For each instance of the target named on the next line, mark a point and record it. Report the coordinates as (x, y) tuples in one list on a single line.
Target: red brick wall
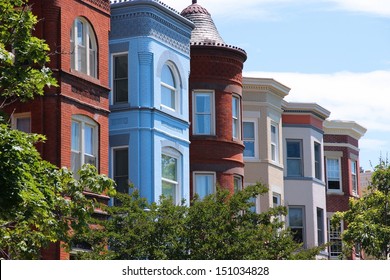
[(218, 69)]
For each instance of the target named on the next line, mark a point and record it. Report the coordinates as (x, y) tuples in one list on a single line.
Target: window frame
[(18, 116), (90, 40), (85, 121), (210, 93), (114, 79), (320, 226), (237, 187), (113, 164), (275, 157), (254, 140), (204, 173), (317, 160), (176, 88), (335, 241), (303, 227), (301, 164), (175, 154), (354, 177), (339, 189), (236, 117)]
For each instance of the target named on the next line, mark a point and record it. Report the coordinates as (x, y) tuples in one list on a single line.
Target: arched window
[(83, 47), (169, 87)]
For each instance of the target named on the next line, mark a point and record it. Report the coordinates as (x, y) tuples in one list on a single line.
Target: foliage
[(221, 226), (368, 218), (40, 203), (23, 57)]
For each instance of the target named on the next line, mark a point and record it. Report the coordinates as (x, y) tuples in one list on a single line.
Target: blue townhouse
[(149, 122)]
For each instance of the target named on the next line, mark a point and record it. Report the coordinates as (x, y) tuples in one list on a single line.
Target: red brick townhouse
[(341, 151), (215, 91), (73, 116)]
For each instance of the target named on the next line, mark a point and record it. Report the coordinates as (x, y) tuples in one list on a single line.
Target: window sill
[(335, 192)]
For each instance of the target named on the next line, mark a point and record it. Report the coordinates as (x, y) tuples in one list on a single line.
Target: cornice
[(339, 127), (305, 108), (265, 85)]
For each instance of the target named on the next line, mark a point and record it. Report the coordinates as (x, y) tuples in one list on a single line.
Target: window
[(333, 173), (274, 143), (237, 184), (84, 142), (121, 169), (296, 223), (294, 158), (22, 122), (236, 118), (249, 139), (83, 48), (320, 226), (276, 199), (203, 113), (204, 184), (120, 78), (170, 164), (169, 92), (354, 177), (317, 160), (336, 246)]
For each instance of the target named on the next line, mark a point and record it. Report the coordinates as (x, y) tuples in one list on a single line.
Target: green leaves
[(221, 226), (23, 57), (40, 203)]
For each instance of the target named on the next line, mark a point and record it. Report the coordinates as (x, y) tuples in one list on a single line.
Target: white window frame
[(204, 173), (237, 179), (173, 153), (84, 121), (274, 144), (340, 175), (211, 93), (17, 116), (300, 141), (254, 140), (335, 236), (176, 89), (354, 177), (113, 78), (89, 38), (236, 119), (278, 198)]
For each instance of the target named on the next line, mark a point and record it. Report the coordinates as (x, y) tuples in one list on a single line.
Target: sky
[(335, 53)]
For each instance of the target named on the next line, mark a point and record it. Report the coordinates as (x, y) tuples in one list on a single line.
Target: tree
[(23, 57), (221, 226), (40, 203), (368, 219)]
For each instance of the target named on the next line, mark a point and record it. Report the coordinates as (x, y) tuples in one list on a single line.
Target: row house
[(149, 121), (341, 152), (74, 115)]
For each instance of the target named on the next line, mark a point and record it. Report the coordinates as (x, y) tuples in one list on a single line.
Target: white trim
[(334, 191), (255, 122), (173, 153), (277, 144), (237, 118), (344, 145), (177, 89), (212, 111)]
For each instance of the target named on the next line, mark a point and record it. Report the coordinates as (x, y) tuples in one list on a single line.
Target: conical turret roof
[(205, 31)]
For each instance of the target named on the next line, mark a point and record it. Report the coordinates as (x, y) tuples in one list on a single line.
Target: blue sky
[(332, 52)]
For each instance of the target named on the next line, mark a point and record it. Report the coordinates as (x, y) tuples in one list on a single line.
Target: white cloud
[(374, 144), (361, 97), (378, 7)]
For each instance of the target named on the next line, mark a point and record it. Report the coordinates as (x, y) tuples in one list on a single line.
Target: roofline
[(156, 3), (342, 127), (261, 84), (303, 107)]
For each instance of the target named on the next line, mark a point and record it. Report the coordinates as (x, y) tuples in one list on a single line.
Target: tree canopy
[(221, 226), (23, 57), (368, 219)]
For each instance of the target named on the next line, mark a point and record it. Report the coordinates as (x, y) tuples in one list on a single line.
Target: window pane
[(169, 189), (75, 136), (235, 109), (294, 149), (294, 167), (23, 124), (204, 185), (333, 169), (121, 170), (237, 184), (249, 130), (120, 90), (92, 63), (120, 66), (168, 97), (88, 140), (295, 217), (203, 103), (75, 162), (273, 134), (167, 76), (169, 167), (80, 33), (249, 149), (203, 124)]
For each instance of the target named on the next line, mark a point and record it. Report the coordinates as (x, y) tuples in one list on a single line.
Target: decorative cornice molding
[(305, 108), (146, 23), (264, 84), (349, 128)]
